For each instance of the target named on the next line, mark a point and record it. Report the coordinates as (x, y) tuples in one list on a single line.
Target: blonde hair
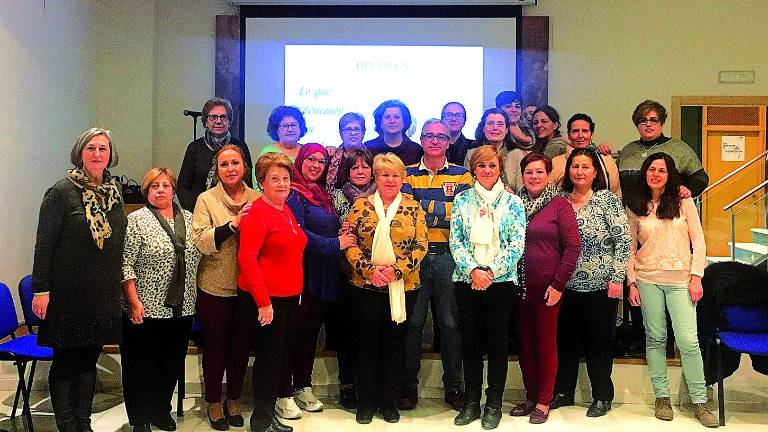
[(270, 160), (388, 161), (484, 153), (76, 155), (152, 175)]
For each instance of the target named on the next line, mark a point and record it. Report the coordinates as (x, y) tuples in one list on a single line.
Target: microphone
[(192, 113)]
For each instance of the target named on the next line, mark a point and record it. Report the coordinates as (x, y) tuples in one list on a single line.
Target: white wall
[(606, 56), (45, 65)]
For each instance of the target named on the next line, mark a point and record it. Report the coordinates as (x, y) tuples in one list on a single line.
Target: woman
[(270, 281), (218, 214), (313, 209), (393, 119), (286, 126), (588, 313), (664, 274), (552, 247), (352, 131), (493, 130), (522, 136), (198, 170), (359, 184), (546, 126), (487, 238), (649, 118), (76, 275), (159, 291), (392, 241)]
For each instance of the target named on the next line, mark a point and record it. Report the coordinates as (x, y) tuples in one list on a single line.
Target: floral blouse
[(409, 238), (148, 257), (605, 239), (511, 236)]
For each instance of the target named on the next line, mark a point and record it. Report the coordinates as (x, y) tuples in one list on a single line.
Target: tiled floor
[(431, 416)]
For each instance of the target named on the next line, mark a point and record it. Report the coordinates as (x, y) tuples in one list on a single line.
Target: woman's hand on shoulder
[(684, 192), (347, 240), (239, 217), (40, 305)]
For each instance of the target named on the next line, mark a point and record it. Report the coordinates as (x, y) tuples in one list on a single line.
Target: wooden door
[(731, 121)]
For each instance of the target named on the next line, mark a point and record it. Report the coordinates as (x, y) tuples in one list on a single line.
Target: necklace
[(287, 219), (647, 151), (281, 212)]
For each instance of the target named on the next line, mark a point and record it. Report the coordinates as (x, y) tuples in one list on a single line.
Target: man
[(434, 182), (454, 117), (580, 129)]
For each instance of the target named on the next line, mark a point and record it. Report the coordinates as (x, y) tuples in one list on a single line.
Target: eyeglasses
[(287, 126), (214, 117), (440, 138), (314, 160), (457, 116), (498, 124), (351, 130), (652, 120)]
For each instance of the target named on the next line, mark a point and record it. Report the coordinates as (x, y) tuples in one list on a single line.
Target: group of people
[(518, 225)]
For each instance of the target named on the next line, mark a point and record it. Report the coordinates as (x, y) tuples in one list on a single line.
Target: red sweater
[(271, 248)]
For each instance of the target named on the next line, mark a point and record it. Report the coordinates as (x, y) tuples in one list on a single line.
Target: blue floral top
[(511, 236), (605, 239)]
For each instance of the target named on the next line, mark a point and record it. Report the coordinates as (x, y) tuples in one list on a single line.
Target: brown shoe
[(523, 409), (538, 416), (705, 415), (664, 409)]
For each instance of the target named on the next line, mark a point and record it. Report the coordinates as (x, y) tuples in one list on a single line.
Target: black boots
[(62, 405), (470, 413)]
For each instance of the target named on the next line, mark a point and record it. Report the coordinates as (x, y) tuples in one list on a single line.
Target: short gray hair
[(431, 121), (76, 155)]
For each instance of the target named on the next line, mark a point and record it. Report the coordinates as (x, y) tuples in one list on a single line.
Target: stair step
[(751, 253), (760, 236), (717, 259)]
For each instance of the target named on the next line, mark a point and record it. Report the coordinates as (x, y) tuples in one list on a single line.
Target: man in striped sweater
[(434, 182)]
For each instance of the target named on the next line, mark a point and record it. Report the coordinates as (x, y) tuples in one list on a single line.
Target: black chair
[(20, 350)]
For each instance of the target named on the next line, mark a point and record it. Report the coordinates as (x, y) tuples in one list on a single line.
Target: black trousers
[(269, 345), (72, 383), (483, 321), (380, 348), (587, 321), (152, 355), (339, 329)]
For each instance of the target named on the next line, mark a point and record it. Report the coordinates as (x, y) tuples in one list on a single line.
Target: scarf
[(174, 298), (383, 253), (532, 206), (352, 192), (315, 191), (97, 200), (214, 144), (531, 146), (332, 179), (484, 234), (234, 207)]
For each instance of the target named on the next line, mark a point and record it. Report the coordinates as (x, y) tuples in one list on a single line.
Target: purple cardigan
[(552, 246)]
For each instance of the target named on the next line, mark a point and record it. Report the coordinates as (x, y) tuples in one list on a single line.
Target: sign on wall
[(732, 148)]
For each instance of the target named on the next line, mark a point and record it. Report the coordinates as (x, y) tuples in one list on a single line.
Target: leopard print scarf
[(97, 200)]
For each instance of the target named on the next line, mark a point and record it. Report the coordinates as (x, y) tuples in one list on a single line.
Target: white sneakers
[(290, 408), (287, 408), (307, 400)]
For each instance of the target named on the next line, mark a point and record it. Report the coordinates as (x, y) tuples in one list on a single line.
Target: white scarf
[(383, 253), (484, 235)]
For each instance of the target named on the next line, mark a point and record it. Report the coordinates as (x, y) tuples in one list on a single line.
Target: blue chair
[(743, 329), (20, 350)]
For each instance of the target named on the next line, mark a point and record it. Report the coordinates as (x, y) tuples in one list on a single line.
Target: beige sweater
[(217, 273), (665, 256)]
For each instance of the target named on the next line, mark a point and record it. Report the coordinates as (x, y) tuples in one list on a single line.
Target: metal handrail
[(746, 194), (733, 173)]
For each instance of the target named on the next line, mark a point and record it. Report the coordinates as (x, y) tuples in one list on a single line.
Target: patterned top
[(435, 192), (148, 257), (409, 238), (341, 204), (511, 235), (604, 243)]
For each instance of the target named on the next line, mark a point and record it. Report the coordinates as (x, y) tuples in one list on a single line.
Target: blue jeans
[(435, 274), (654, 299)]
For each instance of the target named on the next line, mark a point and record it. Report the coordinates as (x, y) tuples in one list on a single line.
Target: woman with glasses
[(286, 126), (649, 117), (312, 206), (352, 131), (393, 119), (198, 170)]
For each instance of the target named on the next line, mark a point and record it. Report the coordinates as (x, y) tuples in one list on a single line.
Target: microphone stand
[(194, 115)]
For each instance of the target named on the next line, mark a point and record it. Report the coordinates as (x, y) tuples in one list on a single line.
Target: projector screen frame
[(371, 11)]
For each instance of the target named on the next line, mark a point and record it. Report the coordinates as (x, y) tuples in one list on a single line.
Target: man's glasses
[(450, 115), (440, 138)]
